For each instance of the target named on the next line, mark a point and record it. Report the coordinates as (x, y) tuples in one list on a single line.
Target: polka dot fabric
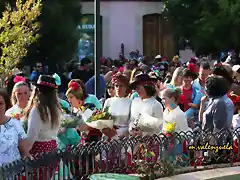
[(41, 147), (45, 172)]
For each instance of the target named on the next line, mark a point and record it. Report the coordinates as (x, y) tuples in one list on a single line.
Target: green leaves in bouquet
[(106, 110), (108, 115), (71, 121), (65, 109), (101, 115)]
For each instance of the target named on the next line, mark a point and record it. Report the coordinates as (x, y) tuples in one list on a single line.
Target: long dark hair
[(45, 99)]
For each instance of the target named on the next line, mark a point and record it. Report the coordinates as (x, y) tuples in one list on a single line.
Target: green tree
[(59, 33), (18, 30), (210, 26)]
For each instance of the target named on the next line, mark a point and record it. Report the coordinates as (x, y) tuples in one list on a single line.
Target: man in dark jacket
[(83, 71)]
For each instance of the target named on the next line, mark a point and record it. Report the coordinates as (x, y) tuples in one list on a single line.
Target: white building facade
[(122, 22)]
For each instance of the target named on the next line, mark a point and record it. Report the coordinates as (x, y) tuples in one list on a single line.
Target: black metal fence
[(157, 155)]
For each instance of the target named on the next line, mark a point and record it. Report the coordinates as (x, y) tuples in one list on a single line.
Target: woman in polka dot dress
[(43, 120)]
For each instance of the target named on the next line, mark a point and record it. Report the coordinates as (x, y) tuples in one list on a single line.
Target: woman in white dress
[(146, 111), (19, 98), (119, 106)]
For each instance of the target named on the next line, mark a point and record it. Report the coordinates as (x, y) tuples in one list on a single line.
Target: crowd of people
[(157, 93)]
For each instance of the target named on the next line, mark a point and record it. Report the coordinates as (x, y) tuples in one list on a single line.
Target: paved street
[(215, 174)]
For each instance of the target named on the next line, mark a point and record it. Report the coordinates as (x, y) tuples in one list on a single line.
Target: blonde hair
[(77, 91), (176, 58), (134, 73), (47, 103), (178, 72), (15, 87)]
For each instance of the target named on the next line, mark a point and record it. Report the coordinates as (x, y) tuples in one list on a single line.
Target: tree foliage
[(18, 30), (59, 33), (209, 25)]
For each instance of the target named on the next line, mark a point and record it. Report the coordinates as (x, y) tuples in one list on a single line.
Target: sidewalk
[(219, 174)]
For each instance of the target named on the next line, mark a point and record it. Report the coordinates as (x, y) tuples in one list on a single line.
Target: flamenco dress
[(44, 138), (152, 108), (120, 109)]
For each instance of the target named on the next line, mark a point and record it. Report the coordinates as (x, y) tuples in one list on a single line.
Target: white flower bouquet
[(147, 123), (101, 119)]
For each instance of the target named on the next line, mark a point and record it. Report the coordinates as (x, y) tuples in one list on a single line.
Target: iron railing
[(122, 156)]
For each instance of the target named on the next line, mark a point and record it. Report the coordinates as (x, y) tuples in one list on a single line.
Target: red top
[(185, 98)]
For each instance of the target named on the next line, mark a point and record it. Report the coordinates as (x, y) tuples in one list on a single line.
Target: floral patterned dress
[(11, 132)]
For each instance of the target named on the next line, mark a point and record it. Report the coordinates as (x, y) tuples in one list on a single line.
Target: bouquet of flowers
[(101, 119), (147, 123), (70, 121), (16, 115), (170, 127)]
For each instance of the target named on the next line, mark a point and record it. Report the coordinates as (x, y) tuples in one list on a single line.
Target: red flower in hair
[(19, 79), (74, 86), (191, 67)]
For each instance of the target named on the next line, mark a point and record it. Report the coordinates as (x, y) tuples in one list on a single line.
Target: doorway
[(151, 35), (157, 37)]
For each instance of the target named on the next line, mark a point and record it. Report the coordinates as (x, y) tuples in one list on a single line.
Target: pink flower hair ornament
[(19, 79)]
